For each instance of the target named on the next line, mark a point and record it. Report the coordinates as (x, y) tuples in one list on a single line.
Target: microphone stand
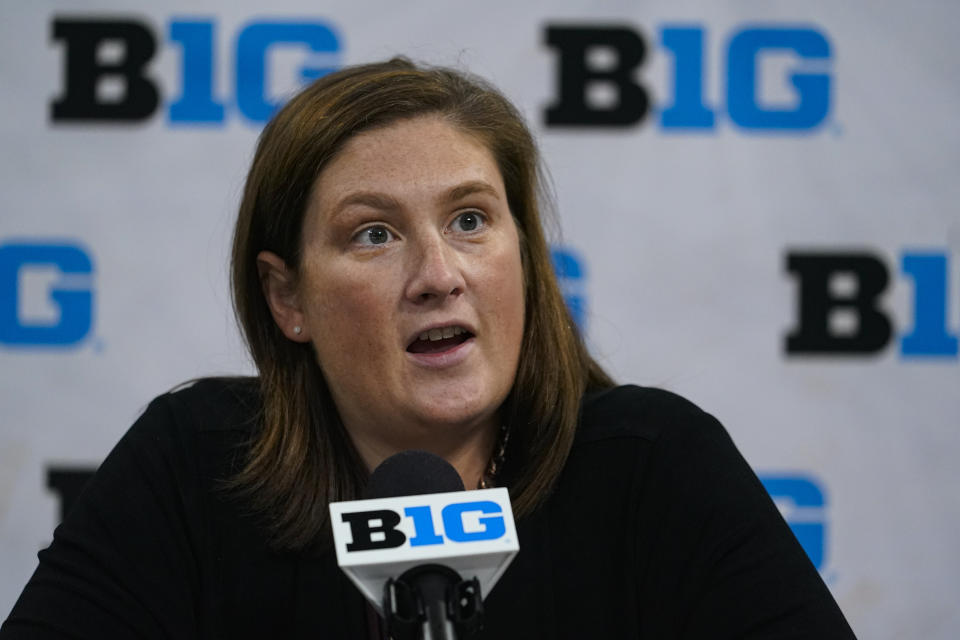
[(432, 602)]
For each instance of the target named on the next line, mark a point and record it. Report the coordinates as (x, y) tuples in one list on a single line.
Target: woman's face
[(411, 285)]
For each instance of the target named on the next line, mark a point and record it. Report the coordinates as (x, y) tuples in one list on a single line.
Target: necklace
[(488, 479)]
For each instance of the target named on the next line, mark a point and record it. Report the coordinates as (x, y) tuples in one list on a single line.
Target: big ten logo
[(46, 294), (839, 304), (68, 482), (800, 499), (462, 522), (106, 74), (776, 78), (571, 273)]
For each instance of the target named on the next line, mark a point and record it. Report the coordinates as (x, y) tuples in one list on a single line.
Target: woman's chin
[(454, 418)]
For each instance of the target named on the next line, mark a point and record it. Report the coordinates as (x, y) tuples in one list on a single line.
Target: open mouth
[(439, 340)]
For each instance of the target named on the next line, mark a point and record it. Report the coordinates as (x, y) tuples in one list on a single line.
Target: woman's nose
[(436, 272)]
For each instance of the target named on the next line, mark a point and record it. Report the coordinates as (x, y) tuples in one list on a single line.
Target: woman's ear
[(280, 289)]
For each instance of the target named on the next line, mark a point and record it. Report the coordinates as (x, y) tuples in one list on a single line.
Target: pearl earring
[(297, 330)]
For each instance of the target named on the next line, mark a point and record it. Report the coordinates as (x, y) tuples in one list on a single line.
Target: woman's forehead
[(418, 158)]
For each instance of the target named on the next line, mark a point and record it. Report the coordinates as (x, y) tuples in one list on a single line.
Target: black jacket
[(657, 529)]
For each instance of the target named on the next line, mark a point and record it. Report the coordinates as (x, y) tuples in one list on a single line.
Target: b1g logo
[(839, 304), (801, 501), (106, 79), (46, 294), (570, 269), (608, 58), (378, 529)]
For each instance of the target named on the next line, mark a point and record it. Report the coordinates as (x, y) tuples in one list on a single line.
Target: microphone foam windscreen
[(411, 473)]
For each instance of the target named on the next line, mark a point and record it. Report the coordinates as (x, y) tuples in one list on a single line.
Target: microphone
[(409, 473), (409, 544)]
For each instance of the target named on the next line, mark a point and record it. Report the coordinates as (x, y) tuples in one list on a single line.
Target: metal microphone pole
[(432, 602)]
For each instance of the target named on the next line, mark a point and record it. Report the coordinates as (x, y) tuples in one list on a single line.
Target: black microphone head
[(411, 473)]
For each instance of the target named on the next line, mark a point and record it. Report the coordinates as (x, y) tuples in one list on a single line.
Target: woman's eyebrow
[(371, 199), (385, 202), (469, 188)]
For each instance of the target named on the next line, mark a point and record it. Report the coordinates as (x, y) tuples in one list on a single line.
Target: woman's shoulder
[(210, 404), (202, 415), (647, 413), (191, 422)]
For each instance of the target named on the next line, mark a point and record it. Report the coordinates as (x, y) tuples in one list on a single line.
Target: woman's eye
[(468, 221), (374, 235)]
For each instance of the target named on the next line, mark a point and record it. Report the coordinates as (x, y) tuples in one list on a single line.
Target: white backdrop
[(682, 235)]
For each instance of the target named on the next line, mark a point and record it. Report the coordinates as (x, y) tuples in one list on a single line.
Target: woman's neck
[(469, 453)]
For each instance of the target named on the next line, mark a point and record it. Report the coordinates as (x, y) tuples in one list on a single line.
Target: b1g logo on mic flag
[(472, 532), (46, 295)]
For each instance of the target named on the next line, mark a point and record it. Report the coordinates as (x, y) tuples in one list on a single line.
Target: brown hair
[(301, 457)]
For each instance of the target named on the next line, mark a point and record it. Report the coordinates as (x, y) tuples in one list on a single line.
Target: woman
[(395, 289)]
